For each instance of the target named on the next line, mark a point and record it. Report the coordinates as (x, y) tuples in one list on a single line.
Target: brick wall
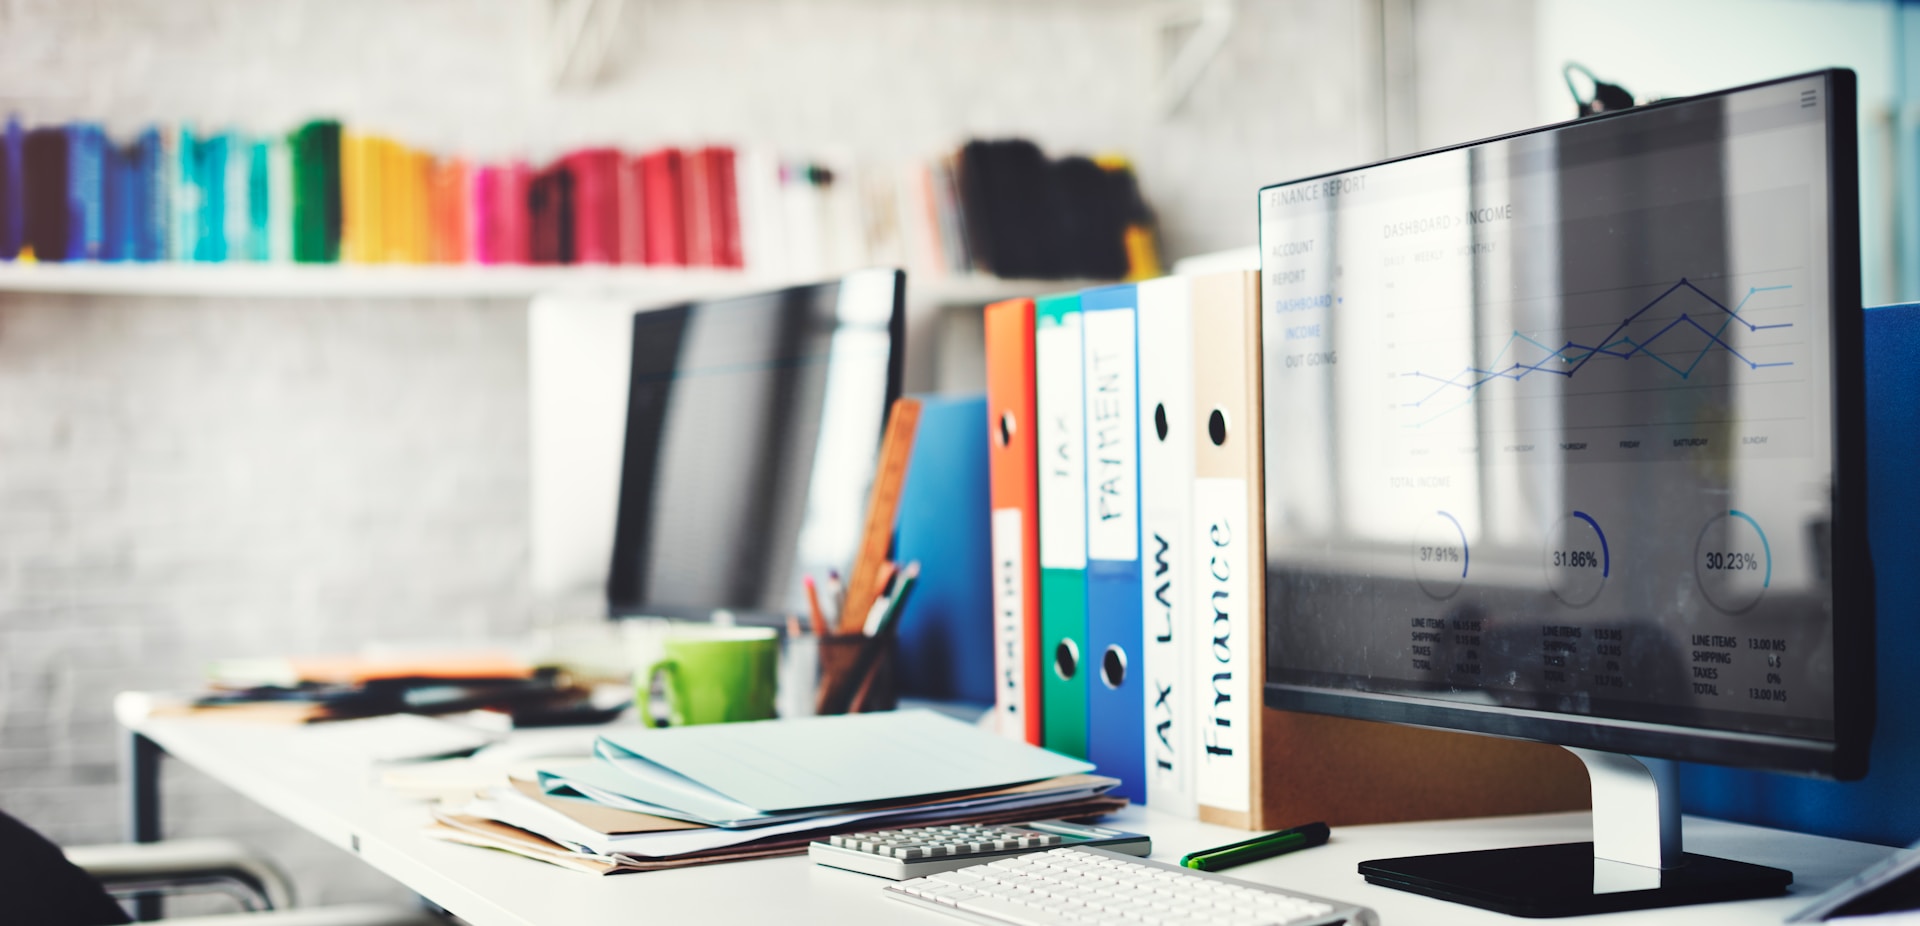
[(188, 479)]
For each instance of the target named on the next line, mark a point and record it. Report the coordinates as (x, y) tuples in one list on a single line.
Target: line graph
[(1568, 359)]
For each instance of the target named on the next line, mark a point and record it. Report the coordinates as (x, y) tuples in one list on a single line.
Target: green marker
[(1257, 848)]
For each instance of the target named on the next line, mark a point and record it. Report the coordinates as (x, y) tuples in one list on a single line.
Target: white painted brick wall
[(187, 479), (183, 480)]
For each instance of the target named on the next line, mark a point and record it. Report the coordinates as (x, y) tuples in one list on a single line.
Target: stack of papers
[(662, 798)]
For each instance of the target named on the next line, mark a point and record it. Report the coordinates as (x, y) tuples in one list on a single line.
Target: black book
[(550, 210), (45, 187)]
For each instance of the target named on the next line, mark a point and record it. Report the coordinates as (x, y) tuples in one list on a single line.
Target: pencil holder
[(841, 678)]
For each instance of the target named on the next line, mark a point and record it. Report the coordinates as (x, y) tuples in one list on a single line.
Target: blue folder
[(946, 637)]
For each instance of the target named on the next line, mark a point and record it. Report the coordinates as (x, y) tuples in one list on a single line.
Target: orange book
[(376, 200), (419, 219), (456, 179), (1013, 478)]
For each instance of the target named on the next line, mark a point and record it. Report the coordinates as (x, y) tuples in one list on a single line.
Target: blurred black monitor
[(752, 427)]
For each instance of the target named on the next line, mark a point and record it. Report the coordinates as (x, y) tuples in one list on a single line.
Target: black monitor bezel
[(627, 537), (1845, 757)]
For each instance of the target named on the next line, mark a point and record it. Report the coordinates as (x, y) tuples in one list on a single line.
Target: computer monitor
[(1564, 441), (752, 428)]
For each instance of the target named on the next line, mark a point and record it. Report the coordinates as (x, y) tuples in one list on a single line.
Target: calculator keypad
[(944, 841)]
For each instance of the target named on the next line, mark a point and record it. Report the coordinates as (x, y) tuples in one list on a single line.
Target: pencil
[(819, 620)]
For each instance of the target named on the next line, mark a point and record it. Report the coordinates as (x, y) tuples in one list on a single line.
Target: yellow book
[(421, 179), (353, 181)]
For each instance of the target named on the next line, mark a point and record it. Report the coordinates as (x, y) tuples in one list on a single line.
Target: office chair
[(82, 886), (128, 870)]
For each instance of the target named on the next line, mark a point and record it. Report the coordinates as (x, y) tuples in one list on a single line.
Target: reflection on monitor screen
[(1562, 435), (752, 424)]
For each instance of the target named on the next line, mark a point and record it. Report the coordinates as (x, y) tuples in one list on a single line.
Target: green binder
[(1063, 524)]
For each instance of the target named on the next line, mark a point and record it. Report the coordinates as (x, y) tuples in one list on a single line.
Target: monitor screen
[(1563, 435), (752, 424)]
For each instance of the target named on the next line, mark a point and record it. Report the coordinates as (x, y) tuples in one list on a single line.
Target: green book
[(316, 192), (1063, 524)]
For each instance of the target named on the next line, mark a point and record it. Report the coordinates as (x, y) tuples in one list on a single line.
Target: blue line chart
[(1570, 358)]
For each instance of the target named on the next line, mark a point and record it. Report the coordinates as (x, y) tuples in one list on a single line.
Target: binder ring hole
[(1113, 667), (1066, 660), (1160, 420), (1217, 427), (1005, 430)]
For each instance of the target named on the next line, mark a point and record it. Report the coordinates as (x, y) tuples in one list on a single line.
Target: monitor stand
[(1635, 861)]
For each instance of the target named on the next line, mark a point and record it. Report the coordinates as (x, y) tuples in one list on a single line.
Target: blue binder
[(1116, 711), (1880, 807)]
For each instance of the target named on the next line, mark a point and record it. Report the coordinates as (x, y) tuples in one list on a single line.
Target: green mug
[(715, 675)]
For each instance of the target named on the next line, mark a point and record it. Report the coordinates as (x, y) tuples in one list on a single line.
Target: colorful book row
[(323, 193), (1126, 533)]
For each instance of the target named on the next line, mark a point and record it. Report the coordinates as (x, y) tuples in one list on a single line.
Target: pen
[(867, 669), (1257, 848), (887, 605)]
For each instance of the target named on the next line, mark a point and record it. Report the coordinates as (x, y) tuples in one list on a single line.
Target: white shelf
[(499, 282)]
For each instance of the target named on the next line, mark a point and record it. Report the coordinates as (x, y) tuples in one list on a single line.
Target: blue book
[(117, 202), (183, 196), (1116, 710), (86, 191), (946, 648), (210, 184), (259, 245), (13, 190), (146, 166)]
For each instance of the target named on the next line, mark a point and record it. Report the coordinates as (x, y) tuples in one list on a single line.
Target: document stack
[(653, 799)]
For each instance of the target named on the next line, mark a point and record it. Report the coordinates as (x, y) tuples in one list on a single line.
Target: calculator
[(925, 850)]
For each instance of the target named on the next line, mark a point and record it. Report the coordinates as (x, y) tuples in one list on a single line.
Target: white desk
[(490, 888)]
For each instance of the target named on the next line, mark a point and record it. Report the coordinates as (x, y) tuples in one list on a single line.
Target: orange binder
[(1013, 477)]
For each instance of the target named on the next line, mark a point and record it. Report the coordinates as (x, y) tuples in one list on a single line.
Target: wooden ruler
[(883, 509)]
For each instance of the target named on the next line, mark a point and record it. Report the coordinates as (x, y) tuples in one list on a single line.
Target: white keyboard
[(1088, 886)]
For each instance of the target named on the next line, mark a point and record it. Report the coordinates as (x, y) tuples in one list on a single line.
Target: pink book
[(630, 212), (512, 224), (480, 211), (665, 239), (596, 229), (696, 205)]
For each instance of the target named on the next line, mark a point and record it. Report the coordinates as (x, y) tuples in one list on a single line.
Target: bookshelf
[(473, 282)]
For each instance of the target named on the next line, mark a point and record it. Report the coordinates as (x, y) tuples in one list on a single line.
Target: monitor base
[(1559, 880)]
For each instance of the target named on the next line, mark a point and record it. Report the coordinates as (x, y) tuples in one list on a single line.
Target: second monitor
[(751, 428)]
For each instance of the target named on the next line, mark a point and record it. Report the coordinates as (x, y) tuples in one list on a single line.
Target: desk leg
[(143, 808)]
